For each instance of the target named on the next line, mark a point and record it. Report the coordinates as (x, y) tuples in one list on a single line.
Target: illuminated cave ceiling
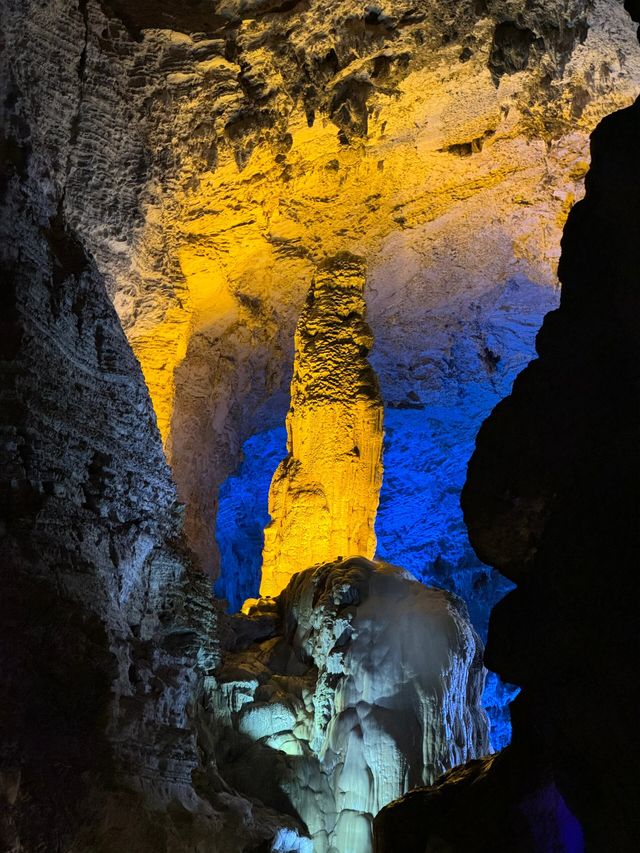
[(221, 152)]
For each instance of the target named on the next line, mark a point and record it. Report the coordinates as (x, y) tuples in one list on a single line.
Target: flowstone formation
[(552, 500), (354, 685), (324, 495)]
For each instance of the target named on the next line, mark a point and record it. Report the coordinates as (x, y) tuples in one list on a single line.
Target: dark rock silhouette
[(551, 501)]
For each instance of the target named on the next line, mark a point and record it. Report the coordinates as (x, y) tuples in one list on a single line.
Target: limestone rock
[(552, 501), (368, 684), (324, 495), (212, 158), (108, 633)]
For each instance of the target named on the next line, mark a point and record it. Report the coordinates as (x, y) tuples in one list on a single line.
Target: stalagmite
[(324, 495), (354, 685)]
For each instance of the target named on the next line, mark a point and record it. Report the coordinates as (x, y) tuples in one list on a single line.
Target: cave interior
[(320, 418)]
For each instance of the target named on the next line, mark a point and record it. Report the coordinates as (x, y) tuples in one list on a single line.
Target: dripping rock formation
[(354, 685), (552, 501), (324, 495)]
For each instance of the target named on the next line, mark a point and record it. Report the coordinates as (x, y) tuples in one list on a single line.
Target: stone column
[(324, 495)]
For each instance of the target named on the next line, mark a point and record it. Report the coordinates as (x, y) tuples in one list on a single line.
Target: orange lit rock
[(324, 495), (212, 175), (457, 186)]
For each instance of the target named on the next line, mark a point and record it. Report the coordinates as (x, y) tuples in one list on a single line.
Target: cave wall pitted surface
[(552, 500), (324, 494), (213, 157), (107, 631)]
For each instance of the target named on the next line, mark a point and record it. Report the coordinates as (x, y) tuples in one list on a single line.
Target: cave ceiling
[(218, 153)]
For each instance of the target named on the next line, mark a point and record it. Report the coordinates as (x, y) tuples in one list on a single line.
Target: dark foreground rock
[(551, 501)]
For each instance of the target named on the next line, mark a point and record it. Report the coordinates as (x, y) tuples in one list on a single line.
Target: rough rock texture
[(213, 156), (108, 635), (173, 145), (552, 501), (360, 683), (324, 496)]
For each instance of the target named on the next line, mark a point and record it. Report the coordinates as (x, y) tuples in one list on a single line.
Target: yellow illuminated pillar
[(324, 496)]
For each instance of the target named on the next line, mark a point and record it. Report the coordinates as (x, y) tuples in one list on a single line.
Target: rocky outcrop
[(324, 496), (506, 802), (463, 369), (108, 633), (551, 500), (354, 685)]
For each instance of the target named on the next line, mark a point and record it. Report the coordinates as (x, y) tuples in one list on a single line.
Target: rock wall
[(552, 501), (212, 159), (560, 518), (108, 634), (354, 685), (324, 496)]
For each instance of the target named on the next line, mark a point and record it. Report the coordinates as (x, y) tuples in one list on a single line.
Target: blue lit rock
[(453, 373), (451, 365), (242, 517), (362, 684)]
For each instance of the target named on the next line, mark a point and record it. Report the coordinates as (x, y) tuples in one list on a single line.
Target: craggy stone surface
[(447, 143), (324, 495), (552, 500), (108, 635), (360, 683)]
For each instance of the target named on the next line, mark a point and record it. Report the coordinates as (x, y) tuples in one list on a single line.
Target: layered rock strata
[(354, 685), (324, 496), (107, 631), (552, 501)]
